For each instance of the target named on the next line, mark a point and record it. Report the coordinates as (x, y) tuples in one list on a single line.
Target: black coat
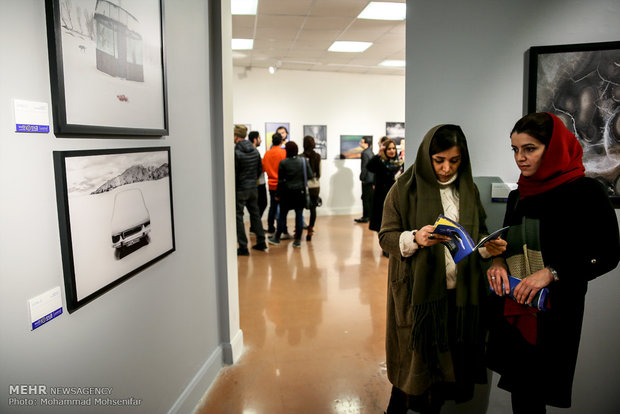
[(366, 176), (568, 215), (384, 179), (248, 165), (291, 185)]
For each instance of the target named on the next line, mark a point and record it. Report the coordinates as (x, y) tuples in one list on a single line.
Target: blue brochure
[(539, 302), (461, 244)]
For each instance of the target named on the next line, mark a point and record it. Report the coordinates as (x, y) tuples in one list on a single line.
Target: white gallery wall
[(465, 65), (157, 337), (349, 104)]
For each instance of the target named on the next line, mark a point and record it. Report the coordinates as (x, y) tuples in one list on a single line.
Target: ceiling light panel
[(242, 44), (244, 7), (349, 47), (384, 11), (393, 63)]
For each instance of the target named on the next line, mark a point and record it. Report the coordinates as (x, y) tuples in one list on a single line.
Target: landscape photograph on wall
[(116, 214)]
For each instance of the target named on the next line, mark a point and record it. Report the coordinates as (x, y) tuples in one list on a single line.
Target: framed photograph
[(271, 128), (396, 132), (579, 84), (115, 216), (107, 67), (350, 145), (319, 133)]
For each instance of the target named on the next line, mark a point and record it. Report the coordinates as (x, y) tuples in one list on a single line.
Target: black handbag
[(308, 204)]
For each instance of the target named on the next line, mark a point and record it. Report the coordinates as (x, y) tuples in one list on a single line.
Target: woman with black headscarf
[(385, 166)]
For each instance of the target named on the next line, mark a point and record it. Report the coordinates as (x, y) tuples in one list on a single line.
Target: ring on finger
[(492, 277)]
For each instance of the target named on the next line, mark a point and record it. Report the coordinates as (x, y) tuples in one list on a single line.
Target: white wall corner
[(232, 351), (192, 395)]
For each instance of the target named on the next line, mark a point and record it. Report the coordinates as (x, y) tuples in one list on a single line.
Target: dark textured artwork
[(583, 89)]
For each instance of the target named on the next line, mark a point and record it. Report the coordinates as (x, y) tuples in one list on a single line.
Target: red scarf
[(561, 162)]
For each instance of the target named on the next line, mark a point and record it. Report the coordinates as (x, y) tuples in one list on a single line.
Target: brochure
[(461, 244), (539, 302)]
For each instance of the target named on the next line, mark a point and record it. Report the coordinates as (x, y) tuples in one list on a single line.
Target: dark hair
[(367, 140), (276, 139), (538, 125), (253, 136), (291, 149), (282, 127), (449, 136), (386, 143), (309, 143), (383, 139)]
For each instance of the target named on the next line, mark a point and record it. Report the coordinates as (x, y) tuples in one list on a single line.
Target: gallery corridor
[(313, 321)]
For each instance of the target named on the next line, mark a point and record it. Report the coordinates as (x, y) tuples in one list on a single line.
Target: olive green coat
[(417, 354)]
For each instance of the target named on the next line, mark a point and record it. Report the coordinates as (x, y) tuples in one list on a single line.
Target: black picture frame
[(107, 67), (319, 133), (578, 83), (115, 216)]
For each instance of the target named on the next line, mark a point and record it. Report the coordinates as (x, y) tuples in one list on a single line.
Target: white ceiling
[(295, 34)]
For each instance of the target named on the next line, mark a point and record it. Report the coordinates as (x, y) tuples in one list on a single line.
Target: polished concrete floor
[(313, 320)]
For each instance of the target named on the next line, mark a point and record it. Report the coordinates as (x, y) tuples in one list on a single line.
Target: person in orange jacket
[(271, 162)]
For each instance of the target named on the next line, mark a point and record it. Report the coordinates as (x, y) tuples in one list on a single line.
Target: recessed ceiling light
[(242, 44), (384, 11), (353, 47), (393, 63), (246, 7)]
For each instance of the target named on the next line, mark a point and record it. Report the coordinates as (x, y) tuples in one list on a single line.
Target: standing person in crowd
[(256, 140), (536, 352), (291, 191), (248, 168), (314, 186), (385, 165), (271, 162), (435, 335), (368, 180)]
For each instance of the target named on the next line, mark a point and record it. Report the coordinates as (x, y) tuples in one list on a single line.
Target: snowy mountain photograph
[(119, 213)]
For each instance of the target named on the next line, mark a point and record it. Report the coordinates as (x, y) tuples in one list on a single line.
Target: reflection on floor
[(313, 321)]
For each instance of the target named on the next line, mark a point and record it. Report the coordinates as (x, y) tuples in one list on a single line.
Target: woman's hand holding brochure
[(461, 244), (536, 298)]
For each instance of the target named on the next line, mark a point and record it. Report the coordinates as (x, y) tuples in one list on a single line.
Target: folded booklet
[(539, 302), (461, 244)]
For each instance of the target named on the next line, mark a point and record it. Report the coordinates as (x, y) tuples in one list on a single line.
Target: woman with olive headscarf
[(435, 337)]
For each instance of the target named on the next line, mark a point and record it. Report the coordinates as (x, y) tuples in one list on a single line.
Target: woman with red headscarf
[(535, 352)]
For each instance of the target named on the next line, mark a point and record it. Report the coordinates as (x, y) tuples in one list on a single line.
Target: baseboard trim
[(198, 386), (232, 351)]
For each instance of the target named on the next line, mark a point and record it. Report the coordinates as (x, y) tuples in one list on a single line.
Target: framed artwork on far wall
[(350, 146), (115, 216), (396, 132), (579, 84), (271, 128), (107, 67), (319, 133)]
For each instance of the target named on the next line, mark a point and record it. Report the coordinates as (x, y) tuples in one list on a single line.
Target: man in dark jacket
[(248, 167), (368, 179)]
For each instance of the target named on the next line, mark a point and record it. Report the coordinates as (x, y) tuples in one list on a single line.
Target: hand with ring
[(425, 237), (497, 276)]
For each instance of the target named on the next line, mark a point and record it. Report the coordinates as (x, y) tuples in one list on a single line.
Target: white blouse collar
[(450, 181)]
